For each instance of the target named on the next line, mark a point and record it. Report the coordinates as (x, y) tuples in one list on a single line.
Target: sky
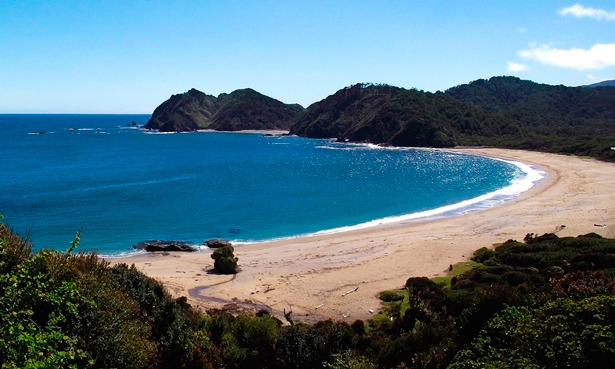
[(121, 57)]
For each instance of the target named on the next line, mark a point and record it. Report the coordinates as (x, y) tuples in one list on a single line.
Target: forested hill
[(502, 111), (603, 84), (395, 116), (562, 119), (240, 110)]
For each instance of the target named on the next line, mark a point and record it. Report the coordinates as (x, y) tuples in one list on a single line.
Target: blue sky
[(129, 56)]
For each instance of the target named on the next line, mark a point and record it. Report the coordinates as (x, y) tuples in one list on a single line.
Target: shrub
[(66, 310), (225, 261), (483, 254), (390, 296)]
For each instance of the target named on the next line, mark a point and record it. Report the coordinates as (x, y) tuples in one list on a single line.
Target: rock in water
[(216, 243)]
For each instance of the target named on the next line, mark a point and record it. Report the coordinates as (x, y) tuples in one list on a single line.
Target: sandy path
[(311, 274)]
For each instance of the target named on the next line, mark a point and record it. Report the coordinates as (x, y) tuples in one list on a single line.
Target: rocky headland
[(240, 110)]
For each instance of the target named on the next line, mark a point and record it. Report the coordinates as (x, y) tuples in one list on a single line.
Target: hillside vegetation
[(504, 112), (603, 84), (561, 119), (547, 302), (395, 116), (240, 110)]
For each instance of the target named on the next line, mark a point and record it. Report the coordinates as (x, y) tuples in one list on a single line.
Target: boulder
[(216, 243), (158, 245)]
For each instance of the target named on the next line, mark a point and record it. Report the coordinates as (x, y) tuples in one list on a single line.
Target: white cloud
[(516, 67), (592, 77), (521, 30), (599, 56), (579, 11)]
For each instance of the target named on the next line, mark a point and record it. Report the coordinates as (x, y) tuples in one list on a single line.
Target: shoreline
[(310, 274)]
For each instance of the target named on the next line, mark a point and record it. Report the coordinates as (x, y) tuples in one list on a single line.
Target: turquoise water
[(124, 185)]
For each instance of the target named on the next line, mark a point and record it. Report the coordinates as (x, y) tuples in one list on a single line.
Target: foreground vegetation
[(547, 302)]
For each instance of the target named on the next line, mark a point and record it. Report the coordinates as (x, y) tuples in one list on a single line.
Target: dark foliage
[(560, 119), (73, 310), (225, 261), (395, 116), (441, 323)]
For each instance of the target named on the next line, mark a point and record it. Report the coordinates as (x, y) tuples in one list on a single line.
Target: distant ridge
[(502, 112), (240, 110), (609, 83)]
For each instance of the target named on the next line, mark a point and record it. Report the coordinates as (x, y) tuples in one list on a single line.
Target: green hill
[(395, 116), (502, 112), (609, 83), (240, 110), (561, 119)]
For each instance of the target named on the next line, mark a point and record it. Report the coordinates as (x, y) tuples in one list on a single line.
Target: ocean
[(122, 185)]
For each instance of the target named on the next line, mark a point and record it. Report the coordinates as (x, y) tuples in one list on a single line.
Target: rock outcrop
[(216, 243), (158, 245)]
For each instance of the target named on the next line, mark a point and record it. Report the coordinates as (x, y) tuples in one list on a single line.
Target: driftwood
[(351, 291)]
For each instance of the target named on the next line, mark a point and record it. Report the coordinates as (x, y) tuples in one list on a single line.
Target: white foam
[(150, 132), (531, 177)]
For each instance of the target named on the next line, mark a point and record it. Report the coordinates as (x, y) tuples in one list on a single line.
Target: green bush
[(559, 334), (34, 309), (65, 310), (225, 261), (243, 341), (483, 254), (390, 296)]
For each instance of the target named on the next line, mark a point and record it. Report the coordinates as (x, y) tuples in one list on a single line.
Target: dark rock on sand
[(158, 245)]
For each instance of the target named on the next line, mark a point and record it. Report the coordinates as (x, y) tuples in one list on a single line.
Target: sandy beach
[(311, 275)]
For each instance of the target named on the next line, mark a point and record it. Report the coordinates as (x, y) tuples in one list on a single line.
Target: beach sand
[(312, 275)]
